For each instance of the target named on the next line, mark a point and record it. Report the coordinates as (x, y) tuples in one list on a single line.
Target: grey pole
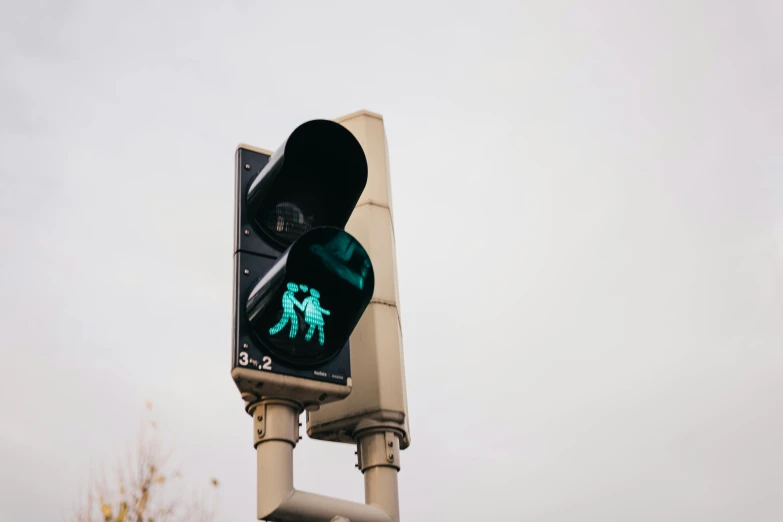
[(379, 460)]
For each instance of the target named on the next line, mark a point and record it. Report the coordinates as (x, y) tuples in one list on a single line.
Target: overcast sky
[(588, 205)]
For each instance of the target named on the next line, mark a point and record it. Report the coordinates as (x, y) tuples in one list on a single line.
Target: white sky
[(588, 207)]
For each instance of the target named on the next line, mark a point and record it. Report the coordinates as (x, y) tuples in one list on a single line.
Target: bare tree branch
[(144, 489)]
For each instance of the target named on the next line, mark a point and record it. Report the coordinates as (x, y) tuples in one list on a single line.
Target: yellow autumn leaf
[(106, 511), (160, 479)]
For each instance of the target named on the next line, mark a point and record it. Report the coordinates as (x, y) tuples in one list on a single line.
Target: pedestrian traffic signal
[(306, 307), (301, 283)]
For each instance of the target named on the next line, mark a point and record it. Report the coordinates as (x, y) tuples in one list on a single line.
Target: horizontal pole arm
[(309, 507)]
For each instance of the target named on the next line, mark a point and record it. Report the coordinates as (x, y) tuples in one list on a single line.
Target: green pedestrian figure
[(289, 301), (313, 316)]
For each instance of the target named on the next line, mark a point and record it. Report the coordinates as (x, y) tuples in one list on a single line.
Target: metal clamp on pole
[(276, 432), (285, 427), (378, 447)]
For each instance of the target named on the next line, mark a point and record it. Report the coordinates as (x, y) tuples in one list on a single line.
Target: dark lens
[(286, 221)]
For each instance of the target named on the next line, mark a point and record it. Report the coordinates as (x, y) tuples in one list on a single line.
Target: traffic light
[(301, 282)]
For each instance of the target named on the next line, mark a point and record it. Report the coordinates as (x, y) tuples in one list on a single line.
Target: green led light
[(289, 301), (310, 306), (314, 315)]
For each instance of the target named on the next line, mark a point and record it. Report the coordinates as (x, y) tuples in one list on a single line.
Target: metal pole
[(379, 460), (380, 488)]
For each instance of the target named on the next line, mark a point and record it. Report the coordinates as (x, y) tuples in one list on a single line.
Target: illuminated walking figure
[(313, 317), (289, 301)]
